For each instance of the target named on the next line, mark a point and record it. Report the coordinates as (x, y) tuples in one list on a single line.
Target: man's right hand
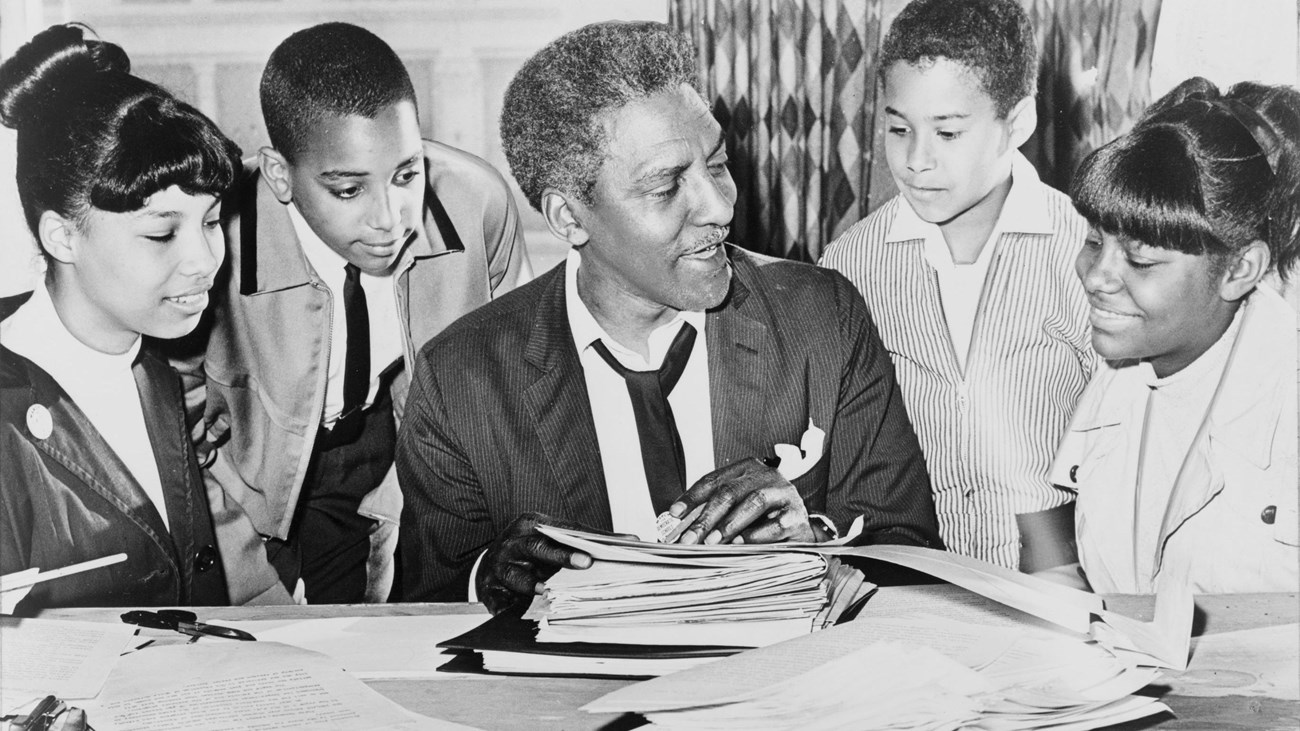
[(521, 558), (74, 719)]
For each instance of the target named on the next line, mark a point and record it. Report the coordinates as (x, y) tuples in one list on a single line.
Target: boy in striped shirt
[(969, 270)]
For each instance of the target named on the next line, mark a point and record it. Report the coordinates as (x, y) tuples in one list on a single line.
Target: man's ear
[(57, 234), (275, 170), (563, 214), (1022, 120), (1247, 268)]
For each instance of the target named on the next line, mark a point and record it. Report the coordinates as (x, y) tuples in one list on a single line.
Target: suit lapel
[(561, 410), (740, 348)]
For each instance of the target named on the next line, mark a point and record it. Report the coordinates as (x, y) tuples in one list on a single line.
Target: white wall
[(1226, 42), (461, 55)]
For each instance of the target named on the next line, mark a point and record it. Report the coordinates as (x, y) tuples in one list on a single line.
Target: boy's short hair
[(551, 119), (329, 69), (993, 38)]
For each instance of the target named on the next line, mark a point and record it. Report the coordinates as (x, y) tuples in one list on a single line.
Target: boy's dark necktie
[(356, 363), (661, 446)]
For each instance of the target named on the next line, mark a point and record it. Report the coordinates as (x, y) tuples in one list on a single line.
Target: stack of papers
[(741, 601), (991, 678), (646, 609), (656, 594)]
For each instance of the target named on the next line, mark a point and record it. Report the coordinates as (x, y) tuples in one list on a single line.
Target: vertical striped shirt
[(989, 430)]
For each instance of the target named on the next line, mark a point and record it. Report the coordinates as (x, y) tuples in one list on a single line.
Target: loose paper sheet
[(370, 647), (254, 686), (70, 659), (854, 675), (1069, 608)]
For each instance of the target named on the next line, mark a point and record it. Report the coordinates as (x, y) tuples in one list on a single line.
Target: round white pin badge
[(39, 421)]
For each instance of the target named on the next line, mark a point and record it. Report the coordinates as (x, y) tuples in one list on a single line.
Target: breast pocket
[(1088, 456)]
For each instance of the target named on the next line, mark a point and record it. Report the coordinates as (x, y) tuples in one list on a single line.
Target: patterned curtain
[(793, 84), (1095, 77)]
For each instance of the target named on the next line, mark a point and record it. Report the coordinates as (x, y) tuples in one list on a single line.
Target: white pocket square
[(796, 461)]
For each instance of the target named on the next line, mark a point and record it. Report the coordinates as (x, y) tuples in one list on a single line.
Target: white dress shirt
[(100, 384), (381, 306), (611, 407)]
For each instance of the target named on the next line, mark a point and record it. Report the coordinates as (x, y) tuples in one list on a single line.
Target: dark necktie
[(661, 446), (356, 363)]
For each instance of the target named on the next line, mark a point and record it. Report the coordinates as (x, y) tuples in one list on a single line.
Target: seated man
[(548, 405)]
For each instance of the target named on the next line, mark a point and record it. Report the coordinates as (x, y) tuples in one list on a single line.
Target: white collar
[(36, 332), (1024, 210), (586, 330), (1235, 416), (321, 257), (1204, 368)]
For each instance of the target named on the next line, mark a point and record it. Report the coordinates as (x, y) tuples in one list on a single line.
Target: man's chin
[(712, 292)]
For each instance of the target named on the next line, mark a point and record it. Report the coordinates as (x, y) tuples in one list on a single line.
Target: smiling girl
[(1183, 447), (120, 184)]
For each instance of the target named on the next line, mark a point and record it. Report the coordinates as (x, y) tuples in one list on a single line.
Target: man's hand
[(74, 719), (744, 502), (521, 558)]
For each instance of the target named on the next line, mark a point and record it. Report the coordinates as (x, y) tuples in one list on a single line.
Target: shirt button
[(1074, 473), (205, 559), (1269, 515)]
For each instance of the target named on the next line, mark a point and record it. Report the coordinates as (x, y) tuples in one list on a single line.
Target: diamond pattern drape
[(1095, 77), (793, 84)]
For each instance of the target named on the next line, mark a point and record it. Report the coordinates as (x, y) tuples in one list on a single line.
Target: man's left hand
[(745, 502)]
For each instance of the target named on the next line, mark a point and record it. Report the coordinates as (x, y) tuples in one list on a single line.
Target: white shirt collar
[(36, 332), (1024, 210), (586, 330), (1201, 373), (322, 258)]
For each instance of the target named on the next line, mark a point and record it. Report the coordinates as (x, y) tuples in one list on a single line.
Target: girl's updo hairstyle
[(92, 135), (1203, 173)]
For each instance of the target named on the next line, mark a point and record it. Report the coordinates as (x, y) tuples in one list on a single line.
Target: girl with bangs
[(120, 184), (1183, 447)]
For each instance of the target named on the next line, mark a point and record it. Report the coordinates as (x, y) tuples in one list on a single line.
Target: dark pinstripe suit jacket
[(498, 420)]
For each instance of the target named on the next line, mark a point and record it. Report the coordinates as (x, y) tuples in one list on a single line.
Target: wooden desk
[(505, 703)]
